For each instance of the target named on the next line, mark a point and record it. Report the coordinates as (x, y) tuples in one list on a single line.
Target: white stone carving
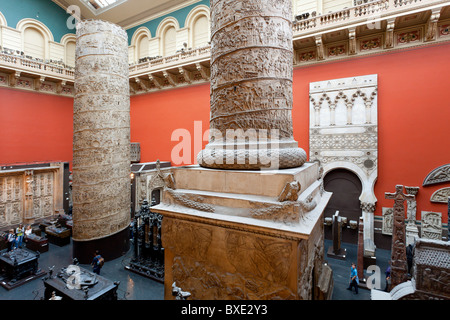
[(387, 221), (441, 195), (431, 225), (344, 132)]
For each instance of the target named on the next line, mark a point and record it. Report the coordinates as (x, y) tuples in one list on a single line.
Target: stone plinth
[(230, 234), (251, 87), (101, 141)]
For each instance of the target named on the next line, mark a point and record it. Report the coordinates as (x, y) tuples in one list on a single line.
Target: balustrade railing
[(183, 56), (19, 63), (363, 10)]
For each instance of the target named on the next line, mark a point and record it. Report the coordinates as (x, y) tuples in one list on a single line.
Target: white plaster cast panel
[(344, 132), (431, 225)]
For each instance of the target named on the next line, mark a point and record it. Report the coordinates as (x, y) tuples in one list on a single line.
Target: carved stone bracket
[(320, 48), (431, 25), (159, 83), (204, 71), (171, 78), (13, 78), (389, 37), (38, 82), (188, 76), (352, 41), (143, 84)]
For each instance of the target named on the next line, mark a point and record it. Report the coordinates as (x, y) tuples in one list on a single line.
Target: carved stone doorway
[(346, 188)]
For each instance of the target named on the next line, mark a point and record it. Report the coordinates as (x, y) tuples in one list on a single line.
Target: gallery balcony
[(369, 27)]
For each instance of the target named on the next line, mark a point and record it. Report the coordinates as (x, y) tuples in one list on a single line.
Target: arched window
[(70, 53), (170, 41), (200, 32), (36, 38), (34, 43), (198, 24), (142, 47), (69, 42), (141, 43), (167, 33)]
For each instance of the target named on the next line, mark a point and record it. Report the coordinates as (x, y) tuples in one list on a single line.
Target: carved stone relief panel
[(431, 225), (43, 195), (344, 132), (27, 195), (343, 122), (11, 202), (387, 221), (220, 263), (440, 195), (438, 175)]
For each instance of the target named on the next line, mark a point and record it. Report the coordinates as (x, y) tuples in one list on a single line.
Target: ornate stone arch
[(136, 39), (194, 14), (26, 23), (163, 26), (368, 182)]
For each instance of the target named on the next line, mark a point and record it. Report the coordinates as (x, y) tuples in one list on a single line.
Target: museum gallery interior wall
[(413, 118)]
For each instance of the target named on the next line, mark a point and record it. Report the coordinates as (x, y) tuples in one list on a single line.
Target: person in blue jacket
[(97, 262), (354, 280)]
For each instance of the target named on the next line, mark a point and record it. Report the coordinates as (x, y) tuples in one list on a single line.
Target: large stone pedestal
[(231, 234)]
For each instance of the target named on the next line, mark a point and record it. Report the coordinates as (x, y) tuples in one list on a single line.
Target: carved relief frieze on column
[(251, 87), (101, 144)]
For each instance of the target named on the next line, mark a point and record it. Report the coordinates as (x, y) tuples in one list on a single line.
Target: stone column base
[(111, 247)]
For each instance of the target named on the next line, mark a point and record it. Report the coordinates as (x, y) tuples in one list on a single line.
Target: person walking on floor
[(354, 281), (97, 262)]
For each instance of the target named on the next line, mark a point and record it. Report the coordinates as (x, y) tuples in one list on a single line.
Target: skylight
[(99, 6)]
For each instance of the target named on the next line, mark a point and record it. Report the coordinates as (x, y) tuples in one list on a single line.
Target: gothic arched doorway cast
[(346, 188)]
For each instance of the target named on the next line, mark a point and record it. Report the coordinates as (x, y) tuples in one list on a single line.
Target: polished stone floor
[(136, 287)]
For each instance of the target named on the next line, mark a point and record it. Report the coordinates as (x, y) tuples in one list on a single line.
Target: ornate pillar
[(412, 232), (251, 87), (368, 210), (101, 142), (399, 267), (28, 203)]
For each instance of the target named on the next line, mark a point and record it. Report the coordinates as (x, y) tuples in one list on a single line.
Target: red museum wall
[(413, 113), (34, 127)]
